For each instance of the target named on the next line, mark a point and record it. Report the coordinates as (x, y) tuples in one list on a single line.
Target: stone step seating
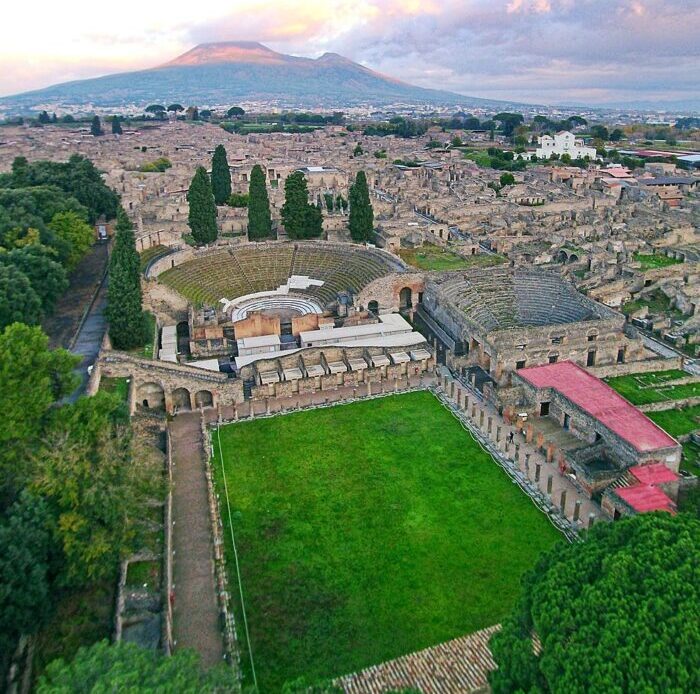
[(253, 268)]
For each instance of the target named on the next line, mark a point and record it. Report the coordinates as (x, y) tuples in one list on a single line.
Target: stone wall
[(386, 291)]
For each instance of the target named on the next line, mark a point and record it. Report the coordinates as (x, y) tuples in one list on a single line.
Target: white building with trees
[(562, 143)]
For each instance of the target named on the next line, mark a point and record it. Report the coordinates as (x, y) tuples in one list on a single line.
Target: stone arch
[(204, 398), (151, 396), (573, 258), (406, 298), (562, 256), (373, 306), (181, 400)]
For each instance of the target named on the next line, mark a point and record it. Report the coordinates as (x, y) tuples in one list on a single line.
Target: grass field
[(366, 531), (679, 423), (430, 257), (642, 389), (654, 261)]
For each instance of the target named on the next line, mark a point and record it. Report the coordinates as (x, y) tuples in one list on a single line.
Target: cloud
[(537, 50)]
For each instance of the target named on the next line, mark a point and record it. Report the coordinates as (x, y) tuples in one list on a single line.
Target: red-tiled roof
[(601, 402), (644, 498), (655, 473)]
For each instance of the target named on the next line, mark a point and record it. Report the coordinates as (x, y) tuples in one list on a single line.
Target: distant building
[(563, 143)]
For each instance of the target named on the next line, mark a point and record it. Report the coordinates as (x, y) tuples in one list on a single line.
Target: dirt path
[(196, 612)]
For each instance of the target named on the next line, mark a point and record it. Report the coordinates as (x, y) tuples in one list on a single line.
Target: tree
[(301, 219), (202, 213), (259, 219), (96, 127), (176, 108), (76, 232), (220, 176), (32, 379), (46, 277), (617, 612), (235, 112), (509, 122), (507, 179), (358, 151), (95, 484), (361, 219), (124, 310), (19, 303), (25, 536), (127, 667), (599, 132), (44, 118), (124, 300), (157, 110), (116, 125)]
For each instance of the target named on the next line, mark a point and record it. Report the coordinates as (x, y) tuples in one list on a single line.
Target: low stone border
[(231, 645)]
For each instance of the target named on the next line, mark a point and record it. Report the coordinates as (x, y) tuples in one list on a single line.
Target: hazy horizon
[(534, 51)]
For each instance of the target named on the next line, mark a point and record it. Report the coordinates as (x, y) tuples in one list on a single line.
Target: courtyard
[(430, 257), (366, 531), (655, 386)]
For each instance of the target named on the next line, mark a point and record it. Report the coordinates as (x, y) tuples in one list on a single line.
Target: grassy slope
[(638, 389), (370, 530), (430, 257)]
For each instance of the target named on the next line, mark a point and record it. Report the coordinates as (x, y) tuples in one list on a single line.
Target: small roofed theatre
[(607, 446)]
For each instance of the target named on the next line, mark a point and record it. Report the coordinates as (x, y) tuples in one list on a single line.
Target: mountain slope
[(235, 71)]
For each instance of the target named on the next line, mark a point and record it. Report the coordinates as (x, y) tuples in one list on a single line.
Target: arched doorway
[(573, 258), (204, 398), (406, 298), (150, 396), (181, 400), (562, 257), (373, 306)]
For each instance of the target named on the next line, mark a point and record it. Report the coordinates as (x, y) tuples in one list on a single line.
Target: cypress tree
[(202, 214), (220, 176), (301, 219), (116, 125), (96, 126), (361, 219), (124, 310), (259, 219)]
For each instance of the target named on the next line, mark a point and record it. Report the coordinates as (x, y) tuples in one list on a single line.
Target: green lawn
[(369, 530), (654, 261), (642, 389), (144, 574), (657, 303), (120, 386), (430, 257), (678, 423)]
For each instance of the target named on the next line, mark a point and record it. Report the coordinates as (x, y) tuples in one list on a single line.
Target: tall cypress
[(301, 219), (124, 308), (220, 176), (361, 218), (259, 219), (202, 214)]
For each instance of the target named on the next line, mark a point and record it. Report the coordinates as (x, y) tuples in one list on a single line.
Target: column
[(549, 483), (538, 467), (577, 510), (591, 519), (562, 501), (498, 434), (490, 425)]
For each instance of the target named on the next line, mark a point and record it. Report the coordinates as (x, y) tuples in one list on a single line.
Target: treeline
[(47, 210), (301, 218)]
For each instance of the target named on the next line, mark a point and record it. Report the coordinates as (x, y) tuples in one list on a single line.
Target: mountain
[(236, 71)]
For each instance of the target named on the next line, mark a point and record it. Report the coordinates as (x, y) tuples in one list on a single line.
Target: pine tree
[(96, 127), (202, 215), (116, 125), (220, 176), (361, 220), (259, 219), (301, 219), (124, 309)]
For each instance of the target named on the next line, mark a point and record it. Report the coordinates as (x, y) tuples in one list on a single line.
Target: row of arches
[(405, 301), (152, 396)]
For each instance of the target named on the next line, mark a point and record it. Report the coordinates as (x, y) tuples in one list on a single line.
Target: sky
[(539, 51)]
